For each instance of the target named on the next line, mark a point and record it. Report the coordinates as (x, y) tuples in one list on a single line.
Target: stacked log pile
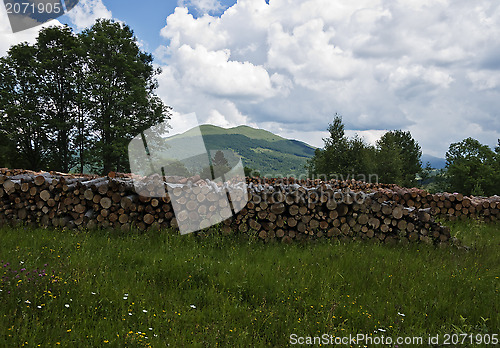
[(276, 210), (294, 212), (444, 205)]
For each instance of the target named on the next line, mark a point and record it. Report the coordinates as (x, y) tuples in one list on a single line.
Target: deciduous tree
[(120, 83), (59, 64), (472, 168), (22, 119), (398, 158), (341, 157)]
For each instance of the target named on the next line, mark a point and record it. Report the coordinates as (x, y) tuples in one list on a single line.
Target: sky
[(288, 66)]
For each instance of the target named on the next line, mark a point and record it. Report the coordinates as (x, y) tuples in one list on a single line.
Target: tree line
[(396, 157), (74, 101), (471, 167)]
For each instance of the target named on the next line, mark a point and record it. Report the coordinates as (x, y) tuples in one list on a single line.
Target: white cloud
[(213, 73), (430, 67), (370, 136), (227, 115), (183, 29), (484, 80), (308, 53), (186, 98), (405, 78), (86, 12)]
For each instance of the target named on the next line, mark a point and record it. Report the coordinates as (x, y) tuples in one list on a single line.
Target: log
[(105, 202)]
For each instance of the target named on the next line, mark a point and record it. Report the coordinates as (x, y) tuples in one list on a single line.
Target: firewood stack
[(277, 209), (294, 212)]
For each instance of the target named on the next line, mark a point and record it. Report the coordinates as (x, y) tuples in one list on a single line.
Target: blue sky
[(428, 66), (148, 18)]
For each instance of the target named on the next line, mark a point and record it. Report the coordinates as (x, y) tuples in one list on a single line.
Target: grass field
[(105, 288)]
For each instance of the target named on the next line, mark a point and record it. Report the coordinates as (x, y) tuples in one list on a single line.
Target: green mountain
[(259, 149)]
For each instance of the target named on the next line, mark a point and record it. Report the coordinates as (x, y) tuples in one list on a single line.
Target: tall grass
[(99, 288)]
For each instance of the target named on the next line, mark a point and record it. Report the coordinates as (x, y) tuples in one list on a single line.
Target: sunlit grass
[(137, 290)]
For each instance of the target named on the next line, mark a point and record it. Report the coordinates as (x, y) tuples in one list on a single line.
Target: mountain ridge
[(260, 150), (250, 132)]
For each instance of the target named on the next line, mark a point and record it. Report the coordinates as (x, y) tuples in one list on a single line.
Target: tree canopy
[(398, 158), (394, 159), (341, 157), (473, 168), (75, 101)]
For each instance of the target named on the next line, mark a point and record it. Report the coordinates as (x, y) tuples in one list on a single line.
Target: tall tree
[(220, 164), (471, 168), (74, 97), (399, 158), (58, 57), (22, 120), (342, 158), (82, 137), (120, 85), (389, 162), (361, 158), (219, 159), (331, 160)]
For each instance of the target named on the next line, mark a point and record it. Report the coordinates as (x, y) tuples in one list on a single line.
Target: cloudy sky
[(428, 66)]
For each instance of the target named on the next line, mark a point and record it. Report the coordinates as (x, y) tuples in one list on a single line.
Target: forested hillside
[(260, 150)]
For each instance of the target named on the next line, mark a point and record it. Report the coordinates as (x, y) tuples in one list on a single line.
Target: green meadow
[(102, 288)]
